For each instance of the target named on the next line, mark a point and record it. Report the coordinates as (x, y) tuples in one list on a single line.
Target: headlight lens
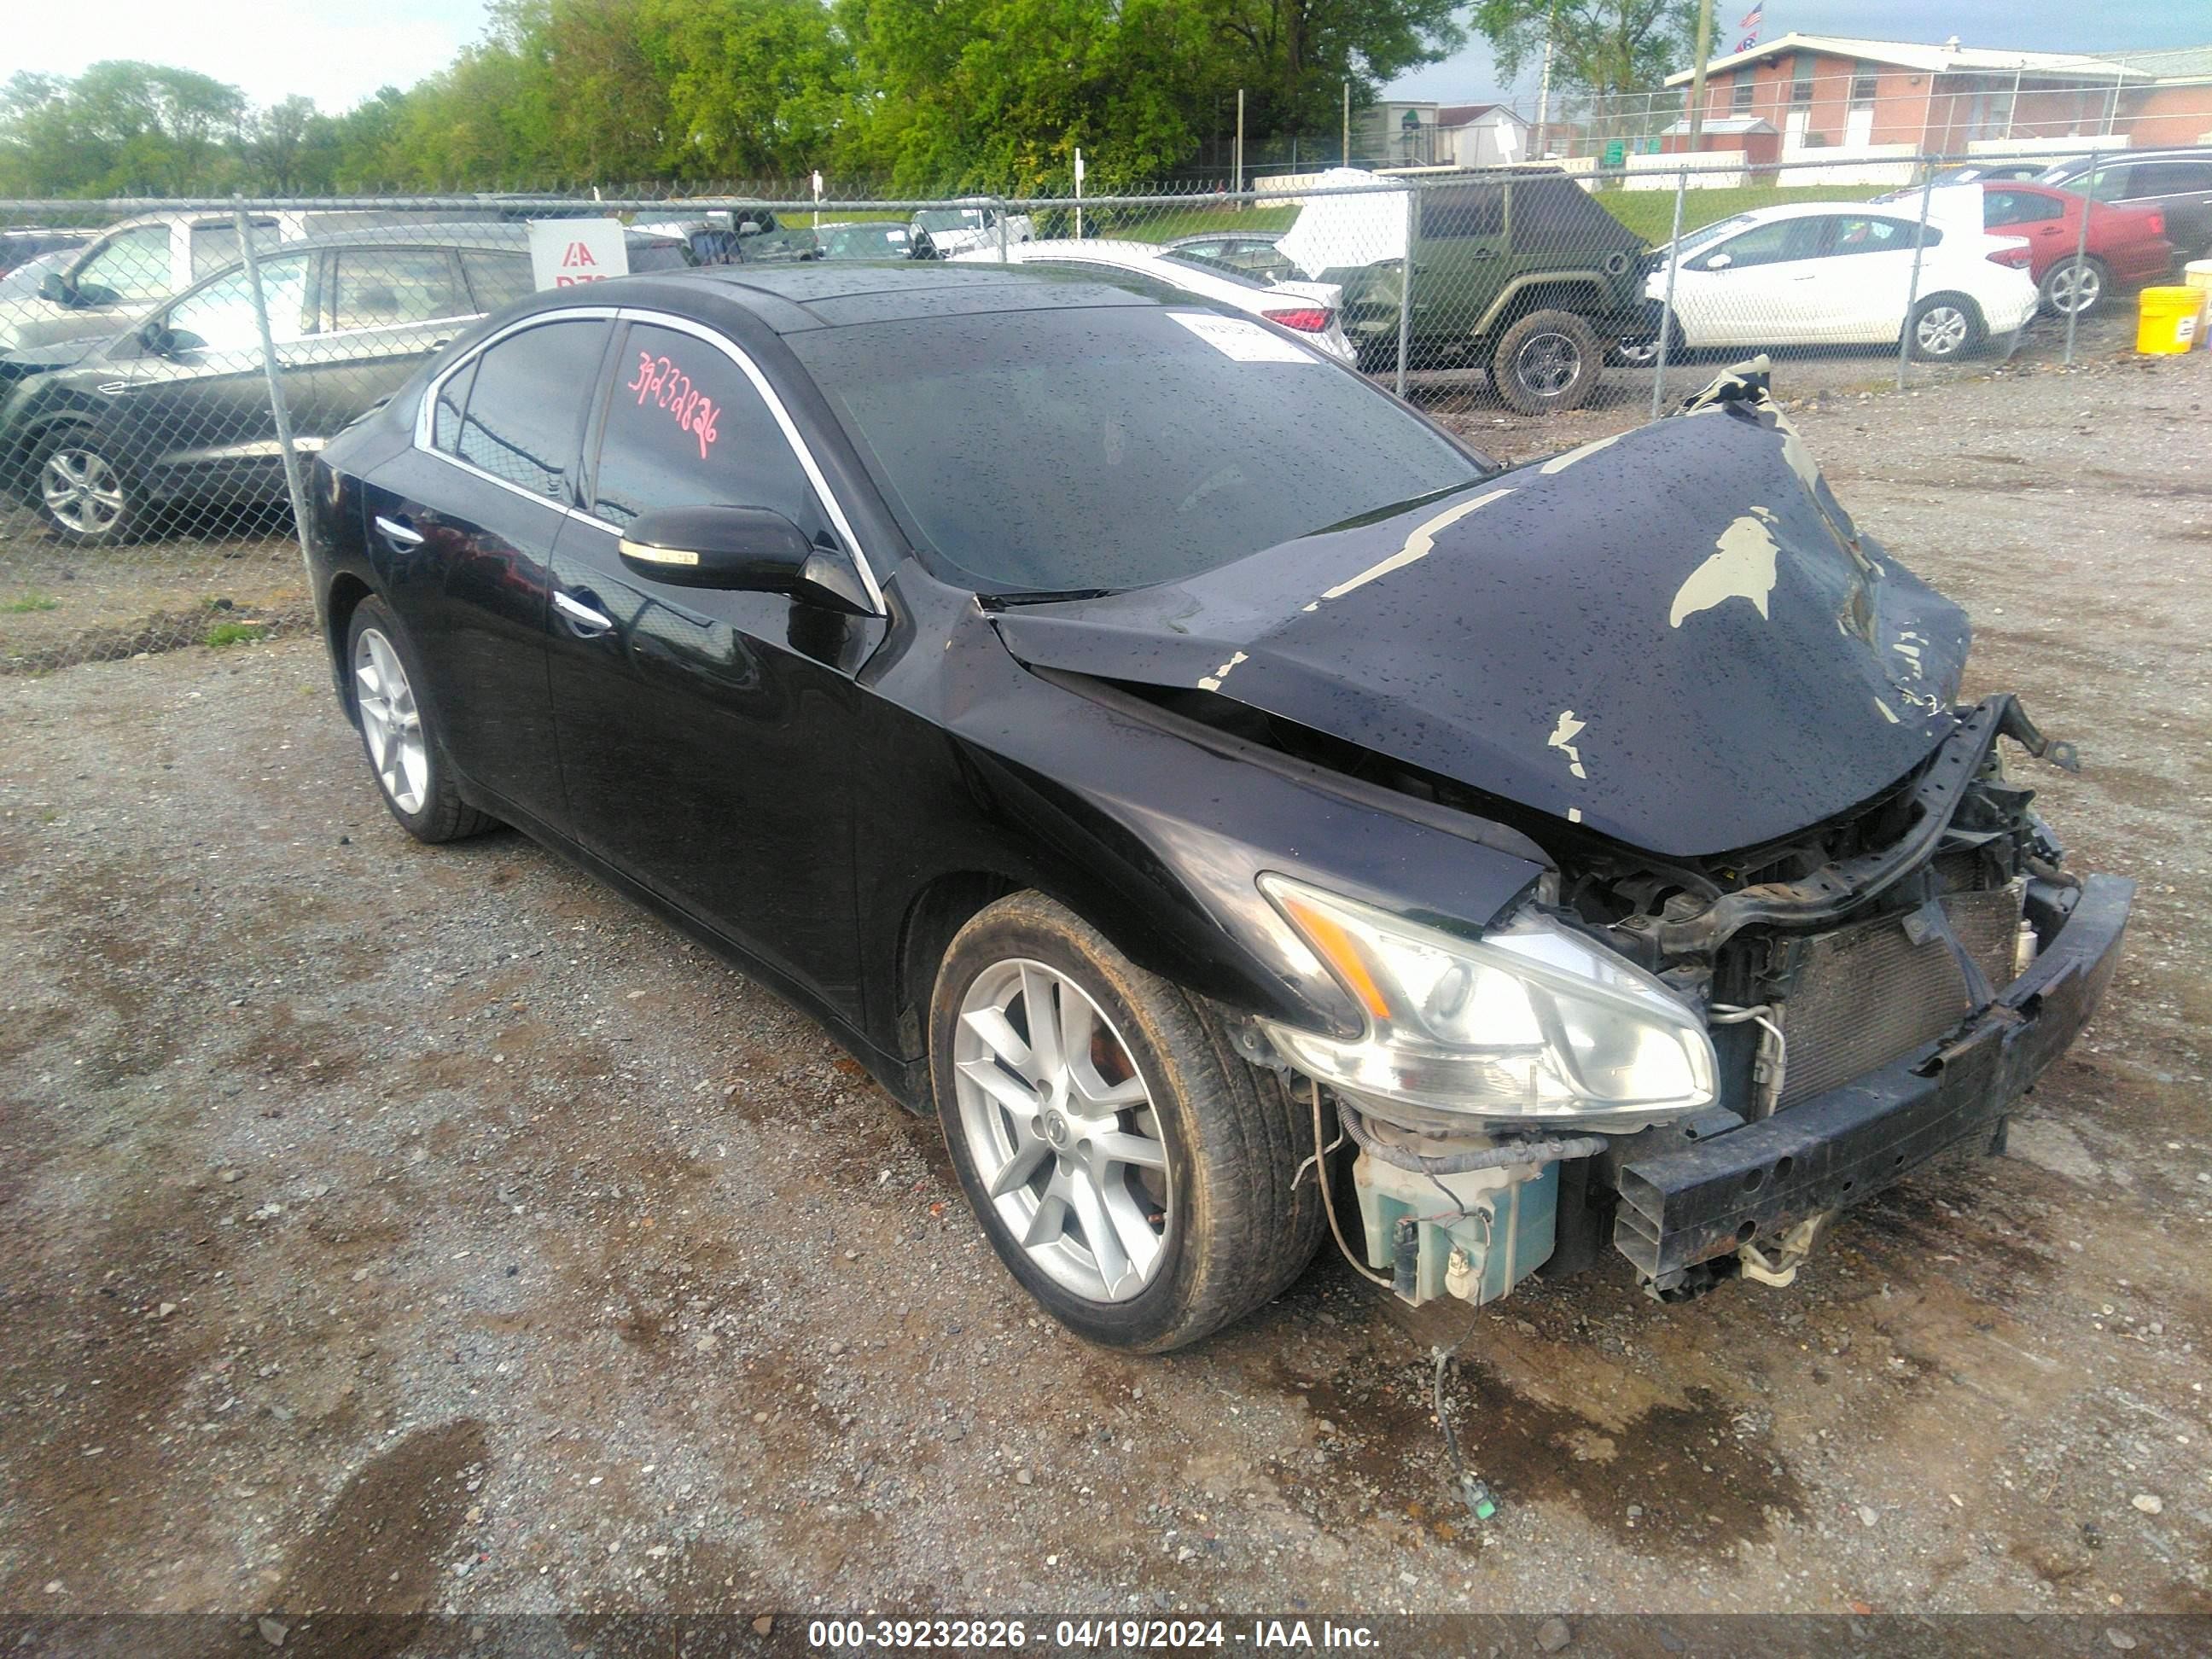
[(1531, 1021)]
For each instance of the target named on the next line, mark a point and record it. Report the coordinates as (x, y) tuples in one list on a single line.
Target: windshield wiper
[(1040, 596)]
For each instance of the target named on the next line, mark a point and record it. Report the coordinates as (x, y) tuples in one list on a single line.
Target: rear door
[(462, 525), (707, 738), (383, 310), (1859, 288), (2039, 216)]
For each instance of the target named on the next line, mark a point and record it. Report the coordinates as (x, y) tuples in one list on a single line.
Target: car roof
[(802, 296)]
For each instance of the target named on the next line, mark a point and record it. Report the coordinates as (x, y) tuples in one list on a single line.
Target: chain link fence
[(167, 363)]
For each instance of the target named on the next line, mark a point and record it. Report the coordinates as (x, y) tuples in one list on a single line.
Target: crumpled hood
[(1675, 638)]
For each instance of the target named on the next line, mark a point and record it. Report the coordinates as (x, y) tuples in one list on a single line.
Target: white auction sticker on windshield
[(1247, 342)]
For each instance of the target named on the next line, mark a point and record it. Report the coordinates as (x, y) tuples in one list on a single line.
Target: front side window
[(133, 268), (1114, 446), (2112, 183), (381, 286), (525, 412), (685, 426), (1772, 244), (220, 316)]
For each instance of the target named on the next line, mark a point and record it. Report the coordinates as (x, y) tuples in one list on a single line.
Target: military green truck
[(1519, 272)]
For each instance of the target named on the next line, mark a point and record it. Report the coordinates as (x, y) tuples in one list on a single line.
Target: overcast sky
[(339, 51)]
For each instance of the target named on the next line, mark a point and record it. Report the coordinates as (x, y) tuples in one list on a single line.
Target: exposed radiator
[(1866, 995)]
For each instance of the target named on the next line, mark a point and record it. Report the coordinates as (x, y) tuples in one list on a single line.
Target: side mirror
[(747, 550), (1719, 262), (157, 337), (55, 287), (749, 228)]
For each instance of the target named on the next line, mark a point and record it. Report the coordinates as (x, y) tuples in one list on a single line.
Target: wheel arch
[(341, 600), (20, 476), (1582, 292)]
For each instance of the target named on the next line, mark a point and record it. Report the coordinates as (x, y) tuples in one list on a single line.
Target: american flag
[(1754, 17)]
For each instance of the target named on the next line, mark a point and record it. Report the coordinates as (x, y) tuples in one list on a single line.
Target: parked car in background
[(1248, 253), (868, 239), (2126, 244), (1520, 273), (96, 434), (1152, 752), (1844, 273), (1983, 172), (2177, 182), (129, 268), (1310, 309), (954, 230), (742, 236), (21, 244)]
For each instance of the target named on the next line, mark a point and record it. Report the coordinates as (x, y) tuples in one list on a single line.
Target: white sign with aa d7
[(565, 251)]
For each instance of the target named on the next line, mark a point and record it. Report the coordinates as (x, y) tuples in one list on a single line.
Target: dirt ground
[(390, 1228)]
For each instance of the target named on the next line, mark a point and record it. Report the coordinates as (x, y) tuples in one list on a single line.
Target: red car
[(2127, 246)]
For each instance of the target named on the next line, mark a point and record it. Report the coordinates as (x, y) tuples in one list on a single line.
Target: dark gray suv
[(2177, 182), (96, 434)]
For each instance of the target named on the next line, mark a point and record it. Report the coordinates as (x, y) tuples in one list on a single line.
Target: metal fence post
[(1912, 293), (295, 486), (1667, 305), (1406, 287), (2080, 254)]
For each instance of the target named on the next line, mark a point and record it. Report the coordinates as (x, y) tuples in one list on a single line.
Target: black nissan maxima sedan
[(1234, 808)]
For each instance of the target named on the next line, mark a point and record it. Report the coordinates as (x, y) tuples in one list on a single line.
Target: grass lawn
[(1650, 213), (1146, 224)]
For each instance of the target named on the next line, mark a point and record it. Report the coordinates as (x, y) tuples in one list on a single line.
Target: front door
[(1755, 289), (470, 577), (707, 736)]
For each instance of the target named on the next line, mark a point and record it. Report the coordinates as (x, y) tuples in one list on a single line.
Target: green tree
[(1599, 47), (277, 142), (1292, 57), (755, 88)]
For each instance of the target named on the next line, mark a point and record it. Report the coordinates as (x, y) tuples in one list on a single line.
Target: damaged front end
[(1789, 931)]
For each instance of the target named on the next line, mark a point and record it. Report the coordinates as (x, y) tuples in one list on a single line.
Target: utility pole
[(1698, 74), (1544, 91), (1240, 143), (1347, 125)]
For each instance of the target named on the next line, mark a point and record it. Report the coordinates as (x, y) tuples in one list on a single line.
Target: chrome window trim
[(425, 410)]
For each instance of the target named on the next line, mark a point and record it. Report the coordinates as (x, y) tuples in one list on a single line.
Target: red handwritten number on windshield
[(670, 389)]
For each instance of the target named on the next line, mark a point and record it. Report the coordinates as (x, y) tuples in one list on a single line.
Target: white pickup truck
[(970, 226)]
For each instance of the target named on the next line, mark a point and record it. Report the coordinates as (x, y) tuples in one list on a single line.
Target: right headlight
[(1531, 1021)]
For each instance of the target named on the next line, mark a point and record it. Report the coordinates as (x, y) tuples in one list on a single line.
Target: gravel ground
[(390, 1228)]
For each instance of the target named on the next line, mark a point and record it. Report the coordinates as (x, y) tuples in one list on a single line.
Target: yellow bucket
[(2168, 320)]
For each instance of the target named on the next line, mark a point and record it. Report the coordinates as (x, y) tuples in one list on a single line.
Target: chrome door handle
[(580, 618), (402, 536)]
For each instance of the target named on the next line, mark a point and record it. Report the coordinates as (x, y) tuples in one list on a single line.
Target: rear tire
[(1547, 363), (1944, 327), (398, 733), (1212, 1230), (2079, 286)]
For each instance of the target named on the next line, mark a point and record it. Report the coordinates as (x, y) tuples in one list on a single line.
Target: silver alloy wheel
[(1547, 364), (2076, 287), (1942, 330), (390, 724), (1060, 1126), (81, 491)]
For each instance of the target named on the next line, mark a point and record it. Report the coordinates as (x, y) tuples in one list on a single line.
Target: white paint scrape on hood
[(1336, 231)]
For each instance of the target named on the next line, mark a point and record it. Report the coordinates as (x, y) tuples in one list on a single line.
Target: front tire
[(1130, 1170), (1547, 363), (399, 734), (85, 494), (1944, 327)]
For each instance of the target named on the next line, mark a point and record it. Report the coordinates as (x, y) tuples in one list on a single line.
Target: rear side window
[(2171, 178), (2018, 207), (1855, 234), (495, 279), (1463, 210), (525, 411), (379, 286), (686, 428)]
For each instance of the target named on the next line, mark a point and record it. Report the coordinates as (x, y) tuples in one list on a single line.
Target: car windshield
[(1115, 446), (851, 241), (950, 219)]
